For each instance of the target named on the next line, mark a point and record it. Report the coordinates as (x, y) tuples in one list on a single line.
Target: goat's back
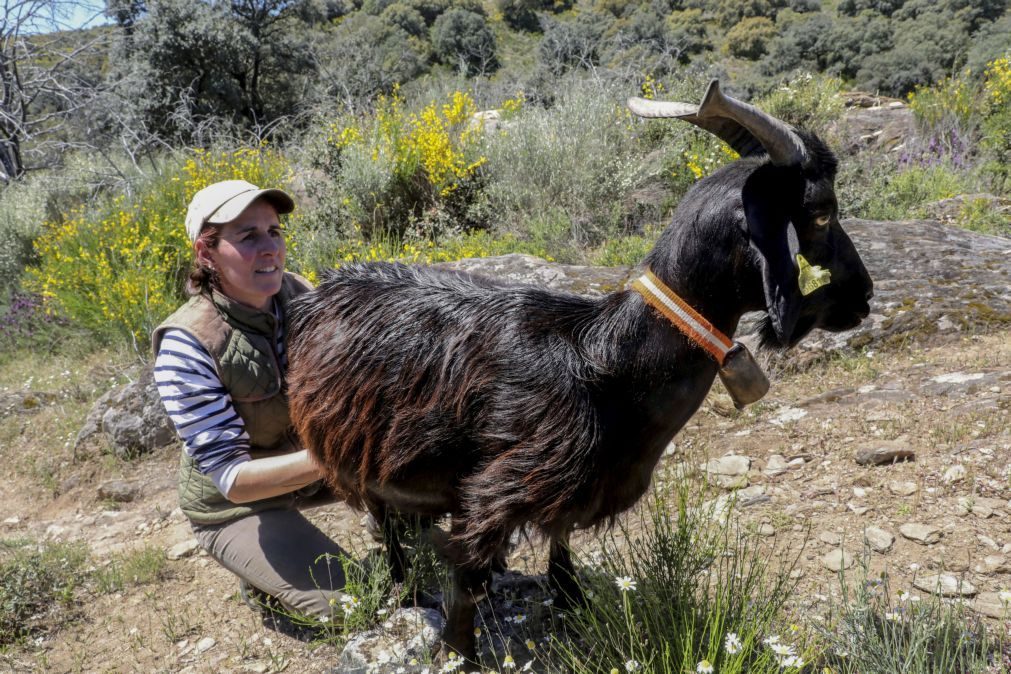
[(411, 377)]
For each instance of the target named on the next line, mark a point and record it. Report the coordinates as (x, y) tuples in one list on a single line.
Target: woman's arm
[(213, 434), (272, 476)]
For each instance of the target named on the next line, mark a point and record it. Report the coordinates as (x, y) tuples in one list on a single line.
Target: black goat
[(429, 392)]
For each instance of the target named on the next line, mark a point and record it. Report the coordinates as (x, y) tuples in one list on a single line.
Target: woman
[(220, 370)]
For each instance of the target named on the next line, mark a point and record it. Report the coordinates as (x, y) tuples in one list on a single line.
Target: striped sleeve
[(200, 408)]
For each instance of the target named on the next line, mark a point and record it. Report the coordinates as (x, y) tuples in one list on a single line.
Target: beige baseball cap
[(225, 201)]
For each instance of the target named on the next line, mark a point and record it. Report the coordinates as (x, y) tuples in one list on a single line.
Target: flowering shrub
[(117, 269), (996, 139), (704, 154), (399, 169)]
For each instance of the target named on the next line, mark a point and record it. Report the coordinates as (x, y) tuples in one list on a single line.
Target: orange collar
[(686, 319)]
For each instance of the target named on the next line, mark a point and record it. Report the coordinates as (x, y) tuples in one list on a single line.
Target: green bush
[(397, 172), (462, 39), (807, 101), (878, 630), (37, 586), (22, 211), (901, 194), (580, 158), (749, 38), (407, 18)]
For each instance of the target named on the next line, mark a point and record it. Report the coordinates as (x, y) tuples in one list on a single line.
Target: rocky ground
[(888, 447)]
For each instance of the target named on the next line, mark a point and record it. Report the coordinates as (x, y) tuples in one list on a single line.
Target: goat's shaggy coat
[(430, 392)]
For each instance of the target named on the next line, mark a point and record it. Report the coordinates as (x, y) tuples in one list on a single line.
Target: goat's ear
[(770, 196)]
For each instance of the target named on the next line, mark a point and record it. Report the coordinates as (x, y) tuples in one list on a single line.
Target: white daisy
[(625, 583), (732, 643), (704, 667)]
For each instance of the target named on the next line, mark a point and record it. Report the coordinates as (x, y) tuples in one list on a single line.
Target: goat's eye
[(823, 220)]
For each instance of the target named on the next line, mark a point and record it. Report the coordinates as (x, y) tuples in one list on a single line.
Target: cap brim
[(234, 207)]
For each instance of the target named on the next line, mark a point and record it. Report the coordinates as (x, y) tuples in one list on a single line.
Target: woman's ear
[(203, 254)]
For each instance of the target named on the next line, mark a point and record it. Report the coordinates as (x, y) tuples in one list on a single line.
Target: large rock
[(932, 282), (131, 418), (873, 122), (945, 585), (527, 269)]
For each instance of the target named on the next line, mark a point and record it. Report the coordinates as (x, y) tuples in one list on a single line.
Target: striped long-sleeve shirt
[(201, 408)]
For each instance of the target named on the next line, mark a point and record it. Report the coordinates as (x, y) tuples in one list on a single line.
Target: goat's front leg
[(562, 573), (469, 587), (390, 525)]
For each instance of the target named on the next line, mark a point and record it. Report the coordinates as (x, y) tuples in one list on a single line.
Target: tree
[(45, 78), (749, 38), (366, 55), (246, 61), (463, 38)]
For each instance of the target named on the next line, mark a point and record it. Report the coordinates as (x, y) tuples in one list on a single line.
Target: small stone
[(830, 538), (954, 474), (12, 521), (884, 452), (837, 560), (69, 484), (776, 465), (727, 465), (182, 550), (903, 488), (859, 492), (857, 510), (987, 541), (119, 491), (766, 529), (945, 585), (992, 604), (997, 564), (878, 539), (55, 531), (205, 644), (923, 534), (797, 573), (977, 507), (785, 415)]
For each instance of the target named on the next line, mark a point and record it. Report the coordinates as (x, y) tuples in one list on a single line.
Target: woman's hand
[(272, 476)]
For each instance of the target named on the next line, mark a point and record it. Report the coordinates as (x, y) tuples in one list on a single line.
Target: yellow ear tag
[(811, 277)]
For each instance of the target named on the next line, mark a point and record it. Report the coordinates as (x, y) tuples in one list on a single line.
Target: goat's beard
[(767, 337)]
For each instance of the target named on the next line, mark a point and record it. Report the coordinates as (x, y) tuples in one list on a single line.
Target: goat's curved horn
[(744, 127)]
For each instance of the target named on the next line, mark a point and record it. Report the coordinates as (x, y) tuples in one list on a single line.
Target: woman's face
[(249, 257)]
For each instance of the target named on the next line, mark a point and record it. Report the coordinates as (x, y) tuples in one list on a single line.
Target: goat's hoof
[(447, 654)]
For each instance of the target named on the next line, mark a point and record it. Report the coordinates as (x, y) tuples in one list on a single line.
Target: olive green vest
[(241, 340)]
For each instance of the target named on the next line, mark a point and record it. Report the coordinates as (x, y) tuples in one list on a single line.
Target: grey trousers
[(283, 554)]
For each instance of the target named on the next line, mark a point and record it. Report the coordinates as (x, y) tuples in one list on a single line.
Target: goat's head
[(791, 218)]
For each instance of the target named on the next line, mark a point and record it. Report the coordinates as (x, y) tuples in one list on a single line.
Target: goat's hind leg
[(562, 574)]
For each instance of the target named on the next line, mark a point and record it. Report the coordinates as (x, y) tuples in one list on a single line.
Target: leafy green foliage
[(749, 38)]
